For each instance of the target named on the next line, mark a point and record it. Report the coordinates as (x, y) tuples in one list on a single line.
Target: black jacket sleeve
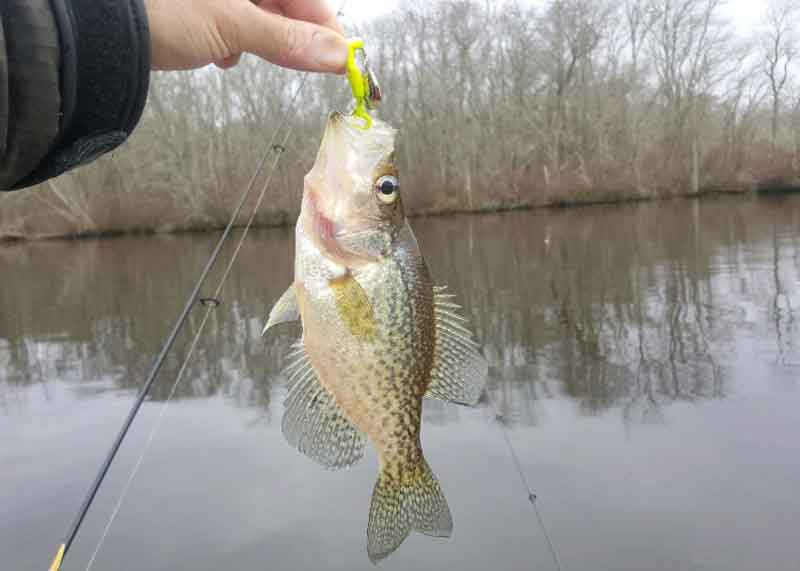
[(73, 82)]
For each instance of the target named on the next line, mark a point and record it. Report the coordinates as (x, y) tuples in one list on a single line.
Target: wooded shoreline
[(499, 106), (765, 189)]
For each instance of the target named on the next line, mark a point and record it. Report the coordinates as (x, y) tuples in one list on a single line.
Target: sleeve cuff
[(105, 73)]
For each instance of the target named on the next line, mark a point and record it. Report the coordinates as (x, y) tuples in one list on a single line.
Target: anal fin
[(459, 370), (313, 422)]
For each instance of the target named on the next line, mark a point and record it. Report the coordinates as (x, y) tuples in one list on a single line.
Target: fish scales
[(379, 381)]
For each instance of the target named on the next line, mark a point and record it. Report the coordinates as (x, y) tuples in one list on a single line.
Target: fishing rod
[(194, 296), (210, 303), (63, 549)]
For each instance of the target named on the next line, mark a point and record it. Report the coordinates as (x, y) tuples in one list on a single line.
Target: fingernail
[(329, 50)]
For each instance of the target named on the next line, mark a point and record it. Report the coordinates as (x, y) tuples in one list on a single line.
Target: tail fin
[(411, 500)]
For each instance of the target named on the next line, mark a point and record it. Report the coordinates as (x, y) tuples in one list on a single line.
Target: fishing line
[(210, 307), (210, 303), (532, 497)]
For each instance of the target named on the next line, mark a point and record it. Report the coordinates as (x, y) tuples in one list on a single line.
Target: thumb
[(290, 43)]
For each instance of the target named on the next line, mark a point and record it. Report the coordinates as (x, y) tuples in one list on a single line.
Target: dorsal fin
[(313, 422), (459, 370)]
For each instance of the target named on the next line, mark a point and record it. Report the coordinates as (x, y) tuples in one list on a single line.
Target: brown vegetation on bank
[(499, 107)]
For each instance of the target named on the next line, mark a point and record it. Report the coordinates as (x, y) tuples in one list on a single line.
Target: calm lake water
[(644, 361)]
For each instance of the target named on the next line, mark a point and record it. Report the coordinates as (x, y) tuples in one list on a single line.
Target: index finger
[(314, 11)]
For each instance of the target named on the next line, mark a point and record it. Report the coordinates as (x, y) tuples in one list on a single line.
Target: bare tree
[(779, 50), (691, 49), (640, 18)]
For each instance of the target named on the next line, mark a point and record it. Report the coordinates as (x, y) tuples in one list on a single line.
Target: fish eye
[(386, 188)]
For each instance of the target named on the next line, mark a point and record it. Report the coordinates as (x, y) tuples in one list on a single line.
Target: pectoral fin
[(459, 370), (285, 309), (313, 422), (353, 306)]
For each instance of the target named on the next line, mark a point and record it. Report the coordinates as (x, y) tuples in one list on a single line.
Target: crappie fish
[(377, 335)]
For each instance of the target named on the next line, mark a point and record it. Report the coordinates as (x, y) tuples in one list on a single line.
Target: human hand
[(300, 34)]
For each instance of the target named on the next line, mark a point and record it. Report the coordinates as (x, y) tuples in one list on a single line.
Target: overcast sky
[(744, 14)]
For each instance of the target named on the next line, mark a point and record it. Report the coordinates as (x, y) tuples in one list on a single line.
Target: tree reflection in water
[(631, 307)]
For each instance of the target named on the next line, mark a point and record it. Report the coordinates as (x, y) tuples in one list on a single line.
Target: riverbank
[(575, 197)]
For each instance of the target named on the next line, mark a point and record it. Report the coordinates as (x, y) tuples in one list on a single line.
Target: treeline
[(500, 105)]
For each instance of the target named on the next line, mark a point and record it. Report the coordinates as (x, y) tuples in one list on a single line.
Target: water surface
[(644, 365)]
